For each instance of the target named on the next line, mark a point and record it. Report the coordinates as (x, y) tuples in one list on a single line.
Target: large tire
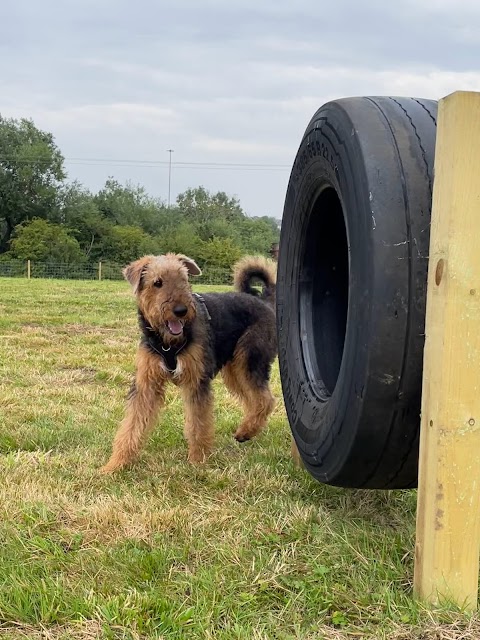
[(351, 289)]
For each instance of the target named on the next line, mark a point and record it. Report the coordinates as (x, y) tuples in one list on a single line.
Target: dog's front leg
[(198, 401), (145, 399)]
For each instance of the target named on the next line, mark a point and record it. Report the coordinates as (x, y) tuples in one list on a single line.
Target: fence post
[(100, 270), (448, 516), (29, 271)]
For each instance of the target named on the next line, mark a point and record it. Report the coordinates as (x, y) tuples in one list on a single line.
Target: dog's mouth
[(175, 327)]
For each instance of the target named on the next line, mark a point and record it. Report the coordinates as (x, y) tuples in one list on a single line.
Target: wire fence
[(93, 271)]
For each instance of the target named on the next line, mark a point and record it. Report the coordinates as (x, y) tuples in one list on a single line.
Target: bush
[(45, 241)]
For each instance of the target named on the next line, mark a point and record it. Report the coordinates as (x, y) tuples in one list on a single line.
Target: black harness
[(201, 299), (169, 354)]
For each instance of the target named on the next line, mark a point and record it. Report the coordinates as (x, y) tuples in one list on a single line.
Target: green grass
[(245, 547)]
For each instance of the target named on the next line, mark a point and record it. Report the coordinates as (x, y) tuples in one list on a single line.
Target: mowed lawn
[(246, 546)]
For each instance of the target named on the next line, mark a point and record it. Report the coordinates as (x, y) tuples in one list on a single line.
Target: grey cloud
[(218, 81)]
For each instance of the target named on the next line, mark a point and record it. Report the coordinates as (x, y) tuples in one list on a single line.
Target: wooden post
[(448, 514), (297, 460), (99, 270), (29, 270)]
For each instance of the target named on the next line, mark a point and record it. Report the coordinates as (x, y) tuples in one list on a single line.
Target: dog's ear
[(134, 271), (192, 267)]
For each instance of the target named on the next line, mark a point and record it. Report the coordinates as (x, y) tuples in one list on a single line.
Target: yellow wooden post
[(29, 270), (297, 460), (448, 514), (99, 270)]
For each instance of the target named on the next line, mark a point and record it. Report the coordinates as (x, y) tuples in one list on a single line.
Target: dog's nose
[(180, 310)]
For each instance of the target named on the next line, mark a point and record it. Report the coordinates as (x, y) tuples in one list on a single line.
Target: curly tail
[(253, 268)]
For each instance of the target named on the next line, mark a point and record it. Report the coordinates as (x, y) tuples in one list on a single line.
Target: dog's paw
[(241, 436), (196, 457), (109, 468), (106, 470)]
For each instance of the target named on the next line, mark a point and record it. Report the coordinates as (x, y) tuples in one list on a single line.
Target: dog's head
[(163, 292)]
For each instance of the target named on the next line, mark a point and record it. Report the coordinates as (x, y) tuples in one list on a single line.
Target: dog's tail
[(252, 268)]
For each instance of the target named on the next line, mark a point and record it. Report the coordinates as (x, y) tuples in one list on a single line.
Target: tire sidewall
[(317, 422)]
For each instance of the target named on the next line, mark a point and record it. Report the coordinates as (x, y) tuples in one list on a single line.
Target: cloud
[(100, 117), (239, 147), (219, 82)]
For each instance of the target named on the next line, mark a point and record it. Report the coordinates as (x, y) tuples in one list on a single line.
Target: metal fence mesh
[(97, 271), (13, 268)]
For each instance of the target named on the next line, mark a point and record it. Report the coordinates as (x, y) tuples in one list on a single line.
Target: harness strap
[(201, 299)]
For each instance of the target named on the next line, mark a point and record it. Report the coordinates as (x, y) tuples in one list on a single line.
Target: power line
[(178, 163), (176, 166), (157, 163)]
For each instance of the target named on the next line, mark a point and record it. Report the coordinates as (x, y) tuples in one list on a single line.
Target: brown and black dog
[(187, 339)]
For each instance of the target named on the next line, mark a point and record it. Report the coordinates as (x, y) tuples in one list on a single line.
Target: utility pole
[(170, 151)]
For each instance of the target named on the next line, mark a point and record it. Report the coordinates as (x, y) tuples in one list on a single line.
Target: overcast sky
[(219, 81)]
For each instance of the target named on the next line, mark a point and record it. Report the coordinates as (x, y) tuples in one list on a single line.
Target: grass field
[(245, 547)]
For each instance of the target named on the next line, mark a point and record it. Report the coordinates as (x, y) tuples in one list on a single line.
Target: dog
[(187, 339)]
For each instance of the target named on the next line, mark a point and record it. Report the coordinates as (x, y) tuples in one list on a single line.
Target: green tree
[(31, 170), (126, 243), (219, 216), (258, 234), (130, 205), (181, 239), (45, 241), (220, 252), (204, 209), (80, 213)]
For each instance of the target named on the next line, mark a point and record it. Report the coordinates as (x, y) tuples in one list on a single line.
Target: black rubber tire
[(351, 289)]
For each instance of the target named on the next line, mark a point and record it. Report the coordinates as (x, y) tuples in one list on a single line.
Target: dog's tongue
[(175, 327)]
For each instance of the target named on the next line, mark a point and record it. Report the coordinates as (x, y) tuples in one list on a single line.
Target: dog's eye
[(158, 283)]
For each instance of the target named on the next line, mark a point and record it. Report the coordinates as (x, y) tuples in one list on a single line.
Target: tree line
[(47, 219)]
